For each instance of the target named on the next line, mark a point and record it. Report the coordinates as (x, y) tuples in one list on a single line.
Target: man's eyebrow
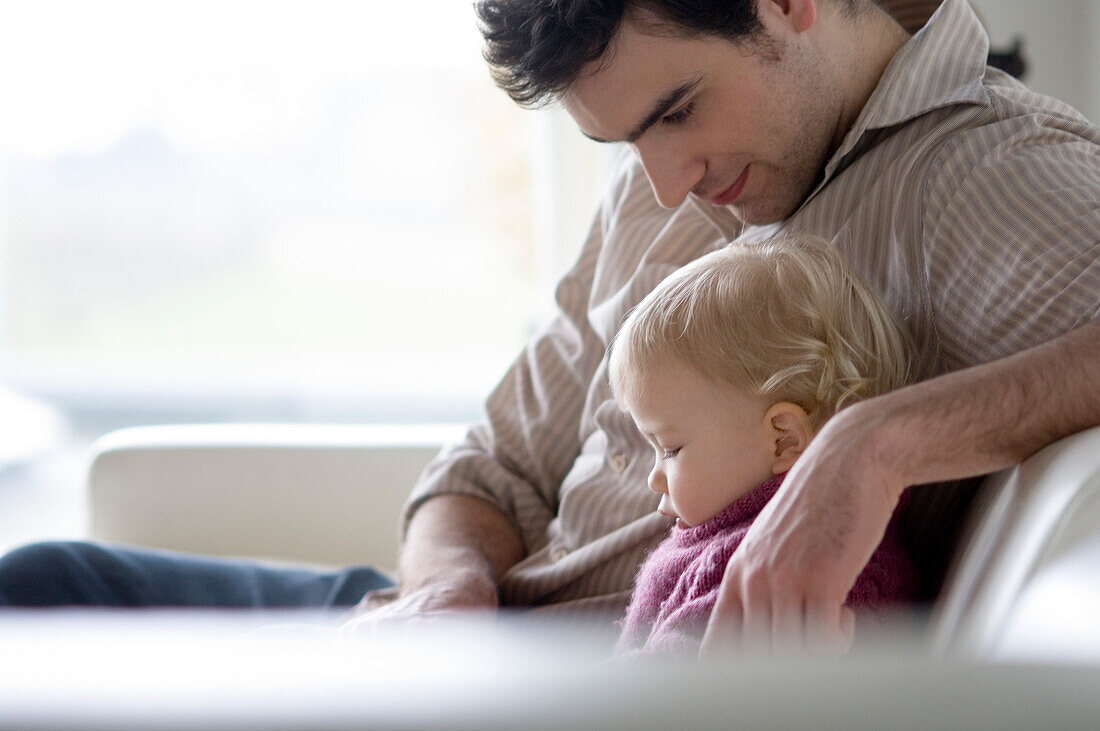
[(660, 109)]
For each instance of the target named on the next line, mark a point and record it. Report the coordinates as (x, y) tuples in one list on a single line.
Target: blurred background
[(281, 211), (244, 210)]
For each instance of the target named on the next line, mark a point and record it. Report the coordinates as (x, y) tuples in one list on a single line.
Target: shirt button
[(558, 553), (617, 462)]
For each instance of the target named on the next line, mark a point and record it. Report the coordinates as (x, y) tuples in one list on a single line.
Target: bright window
[(323, 202)]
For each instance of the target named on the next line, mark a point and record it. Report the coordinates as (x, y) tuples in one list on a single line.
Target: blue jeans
[(90, 574)]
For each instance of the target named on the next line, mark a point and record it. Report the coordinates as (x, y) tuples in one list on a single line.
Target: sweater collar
[(742, 510)]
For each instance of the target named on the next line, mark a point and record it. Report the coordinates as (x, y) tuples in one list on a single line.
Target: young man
[(970, 204)]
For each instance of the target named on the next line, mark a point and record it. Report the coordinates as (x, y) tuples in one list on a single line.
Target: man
[(971, 204)]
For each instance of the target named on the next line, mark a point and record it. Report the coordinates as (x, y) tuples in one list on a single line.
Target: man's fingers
[(744, 617), (742, 622), (723, 633), (788, 627), (829, 627), (756, 625), (847, 626)]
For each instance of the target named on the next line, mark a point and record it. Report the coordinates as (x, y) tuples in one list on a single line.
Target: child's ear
[(790, 431)]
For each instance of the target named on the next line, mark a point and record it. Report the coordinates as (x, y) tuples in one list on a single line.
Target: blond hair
[(785, 319)]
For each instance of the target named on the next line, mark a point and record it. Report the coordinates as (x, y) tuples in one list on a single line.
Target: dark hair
[(536, 48)]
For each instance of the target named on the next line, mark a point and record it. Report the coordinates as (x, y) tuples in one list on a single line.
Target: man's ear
[(790, 431), (799, 15)]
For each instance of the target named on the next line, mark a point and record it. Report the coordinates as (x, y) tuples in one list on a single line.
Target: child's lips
[(679, 522), (665, 509)]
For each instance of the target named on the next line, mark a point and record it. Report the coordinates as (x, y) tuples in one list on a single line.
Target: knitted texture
[(677, 586)]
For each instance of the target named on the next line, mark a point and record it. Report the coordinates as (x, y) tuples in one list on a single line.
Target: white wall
[(1061, 42)]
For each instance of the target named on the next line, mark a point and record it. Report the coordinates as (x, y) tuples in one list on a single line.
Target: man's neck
[(863, 44)]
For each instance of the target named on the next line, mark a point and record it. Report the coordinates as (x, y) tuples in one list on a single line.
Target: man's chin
[(752, 214)]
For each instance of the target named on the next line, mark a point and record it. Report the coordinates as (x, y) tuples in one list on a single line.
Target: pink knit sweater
[(677, 586)]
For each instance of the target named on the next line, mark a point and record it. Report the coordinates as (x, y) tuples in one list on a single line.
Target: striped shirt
[(971, 204)]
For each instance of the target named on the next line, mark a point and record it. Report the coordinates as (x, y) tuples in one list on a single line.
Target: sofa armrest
[(317, 494), (1032, 540)]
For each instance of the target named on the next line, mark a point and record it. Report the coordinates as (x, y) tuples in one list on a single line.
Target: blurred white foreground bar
[(77, 670)]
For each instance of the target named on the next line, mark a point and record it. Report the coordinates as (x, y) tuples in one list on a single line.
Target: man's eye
[(680, 116)]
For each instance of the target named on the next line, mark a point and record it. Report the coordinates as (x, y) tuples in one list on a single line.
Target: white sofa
[(315, 494), (1025, 586)]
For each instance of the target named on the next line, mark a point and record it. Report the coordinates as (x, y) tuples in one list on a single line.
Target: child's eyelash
[(670, 453)]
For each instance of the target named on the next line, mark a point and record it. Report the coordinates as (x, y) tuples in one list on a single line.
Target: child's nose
[(657, 481)]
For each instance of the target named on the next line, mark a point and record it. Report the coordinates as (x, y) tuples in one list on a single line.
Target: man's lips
[(730, 194)]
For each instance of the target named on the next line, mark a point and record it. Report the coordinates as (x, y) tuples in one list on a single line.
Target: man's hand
[(784, 588), (454, 550), (787, 582), (458, 592)]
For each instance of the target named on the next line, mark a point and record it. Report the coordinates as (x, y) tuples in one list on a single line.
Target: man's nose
[(672, 172)]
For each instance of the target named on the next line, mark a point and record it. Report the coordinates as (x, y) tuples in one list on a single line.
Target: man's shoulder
[(1018, 118), (1006, 118), (1011, 99), (1018, 133)]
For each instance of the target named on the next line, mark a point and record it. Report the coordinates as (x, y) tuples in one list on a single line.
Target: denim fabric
[(89, 574)]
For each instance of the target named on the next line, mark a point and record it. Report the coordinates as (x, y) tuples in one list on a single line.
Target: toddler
[(728, 368)]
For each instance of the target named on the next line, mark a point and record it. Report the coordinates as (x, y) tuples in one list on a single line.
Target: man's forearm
[(990, 416), (454, 539)]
